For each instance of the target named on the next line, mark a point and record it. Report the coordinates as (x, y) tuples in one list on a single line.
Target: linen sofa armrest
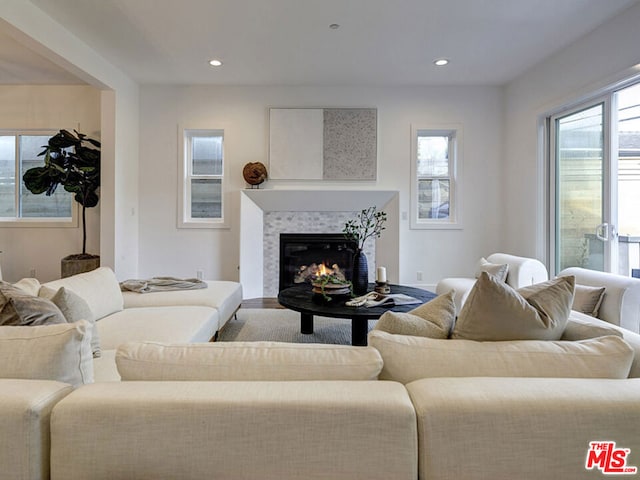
[(524, 428), (621, 303), (461, 286), (581, 320), (523, 271), (240, 430), (25, 410)]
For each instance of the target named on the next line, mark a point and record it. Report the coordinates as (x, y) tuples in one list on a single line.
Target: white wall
[(118, 123), (48, 107), (243, 114), (603, 57)]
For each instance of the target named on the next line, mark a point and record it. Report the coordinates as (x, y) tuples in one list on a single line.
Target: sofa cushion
[(224, 296), (432, 319), (409, 358), (247, 361), (495, 311), (158, 324), (588, 299), (20, 308), (74, 308), (236, 431), (50, 352), (521, 428), (99, 288), (498, 270)]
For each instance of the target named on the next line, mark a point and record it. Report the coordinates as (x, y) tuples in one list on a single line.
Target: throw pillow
[(406, 358), (246, 361), (432, 319), (74, 308), (48, 352), (495, 311), (588, 299), (19, 308), (29, 285), (498, 270)]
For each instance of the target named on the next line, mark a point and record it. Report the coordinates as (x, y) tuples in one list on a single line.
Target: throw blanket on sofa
[(162, 284)]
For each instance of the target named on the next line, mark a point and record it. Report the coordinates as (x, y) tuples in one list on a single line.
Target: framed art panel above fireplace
[(323, 143)]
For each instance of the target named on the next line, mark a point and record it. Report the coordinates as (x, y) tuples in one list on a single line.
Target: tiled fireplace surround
[(264, 214)]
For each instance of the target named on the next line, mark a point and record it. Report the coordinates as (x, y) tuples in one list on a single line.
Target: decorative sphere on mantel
[(254, 173)]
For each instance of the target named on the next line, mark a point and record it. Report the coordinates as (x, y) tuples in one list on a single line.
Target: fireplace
[(305, 255)]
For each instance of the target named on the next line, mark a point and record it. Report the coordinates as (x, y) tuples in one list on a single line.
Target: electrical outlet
[(419, 276), (199, 274), (32, 273)]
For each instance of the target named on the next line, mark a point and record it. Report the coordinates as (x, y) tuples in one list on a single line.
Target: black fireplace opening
[(303, 256)]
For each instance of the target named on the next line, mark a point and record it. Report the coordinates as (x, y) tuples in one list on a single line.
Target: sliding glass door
[(595, 184), (582, 223)]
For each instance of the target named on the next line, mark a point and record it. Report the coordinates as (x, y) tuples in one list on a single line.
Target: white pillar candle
[(381, 274)]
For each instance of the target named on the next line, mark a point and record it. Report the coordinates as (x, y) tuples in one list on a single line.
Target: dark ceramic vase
[(360, 277)]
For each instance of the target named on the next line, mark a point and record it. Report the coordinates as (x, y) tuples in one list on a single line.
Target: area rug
[(281, 325)]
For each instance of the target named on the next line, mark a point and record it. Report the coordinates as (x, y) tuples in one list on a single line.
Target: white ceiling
[(289, 42)]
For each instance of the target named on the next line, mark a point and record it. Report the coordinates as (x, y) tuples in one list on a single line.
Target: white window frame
[(185, 220), (36, 222), (454, 222)]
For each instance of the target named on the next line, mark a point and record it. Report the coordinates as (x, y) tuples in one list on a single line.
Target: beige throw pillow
[(49, 352), (432, 319), (28, 285), (588, 299), (495, 311), (499, 270), (74, 308)]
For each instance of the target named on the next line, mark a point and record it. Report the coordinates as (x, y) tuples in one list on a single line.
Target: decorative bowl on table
[(326, 287)]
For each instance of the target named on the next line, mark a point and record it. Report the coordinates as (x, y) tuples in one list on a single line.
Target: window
[(202, 179), (435, 164), (18, 153), (594, 183)]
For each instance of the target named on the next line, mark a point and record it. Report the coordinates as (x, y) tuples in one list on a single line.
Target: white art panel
[(295, 143)]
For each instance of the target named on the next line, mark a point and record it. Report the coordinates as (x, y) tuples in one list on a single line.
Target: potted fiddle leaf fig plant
[(73, 161)]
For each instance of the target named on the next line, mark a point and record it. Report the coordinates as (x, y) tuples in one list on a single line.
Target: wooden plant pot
[(78, 263)]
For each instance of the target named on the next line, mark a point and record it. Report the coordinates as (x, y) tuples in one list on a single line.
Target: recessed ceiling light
[(441, 62), (334, 26), (215, 63)]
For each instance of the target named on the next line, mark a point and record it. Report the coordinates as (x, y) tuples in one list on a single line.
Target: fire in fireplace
[(303, 256)]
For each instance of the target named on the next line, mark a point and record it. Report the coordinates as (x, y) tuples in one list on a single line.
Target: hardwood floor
[(264, 302)]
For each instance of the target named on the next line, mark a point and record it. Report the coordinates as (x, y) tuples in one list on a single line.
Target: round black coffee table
[(301, 299)]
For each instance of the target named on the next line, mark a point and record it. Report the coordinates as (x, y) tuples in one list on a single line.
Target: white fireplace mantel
[(254, 203)]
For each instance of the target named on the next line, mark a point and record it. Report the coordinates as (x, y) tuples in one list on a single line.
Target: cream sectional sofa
[(184, 316), (298, 411)]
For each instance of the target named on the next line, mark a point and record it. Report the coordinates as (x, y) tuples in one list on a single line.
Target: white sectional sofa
[(183, 316), (298, 411)]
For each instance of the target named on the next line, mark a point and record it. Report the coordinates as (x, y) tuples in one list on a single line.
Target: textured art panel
[(350, 144), (323, 143)]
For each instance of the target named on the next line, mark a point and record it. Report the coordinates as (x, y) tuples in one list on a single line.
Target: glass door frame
[(609, 177)]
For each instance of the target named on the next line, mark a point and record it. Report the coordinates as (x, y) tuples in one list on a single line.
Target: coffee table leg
[(359, 330), (306, 323)]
